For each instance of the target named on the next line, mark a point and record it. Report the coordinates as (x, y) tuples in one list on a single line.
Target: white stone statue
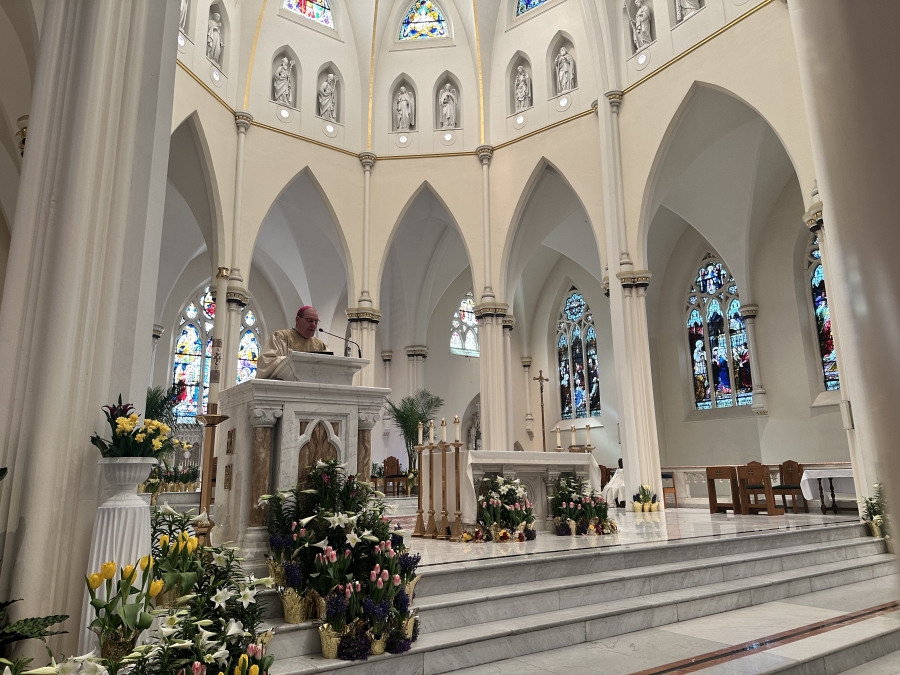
[(182, 23), (328, 98), (405, 107), (281, 82), (215, 40), (565, 72), (686, 8), (640, 26), (522, 90), (448, 104)]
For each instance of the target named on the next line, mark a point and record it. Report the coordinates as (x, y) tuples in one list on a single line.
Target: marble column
[(237, 299), (485, 153), (363, 324), (220, 332), (84, 254), (529, 417), (157, 333), (255, 544), (845, 58), (509, 323), (415, 368), (367, 159), (760, 404), (366, 422), (494, 423)]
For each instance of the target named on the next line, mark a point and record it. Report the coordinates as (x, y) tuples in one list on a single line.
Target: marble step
[(448, 650), (440, 579), (454, 610)]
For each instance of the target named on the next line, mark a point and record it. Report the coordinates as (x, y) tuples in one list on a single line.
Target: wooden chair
[(669, 489), (790, 474), (714, 473), (604, 475), (754, 481), (392, 475)]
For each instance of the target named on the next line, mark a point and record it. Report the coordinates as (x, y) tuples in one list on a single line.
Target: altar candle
[(558, 437), (420, 433), (431, 432), (573, 434), (587, 434), (443, 430), (456, 427)]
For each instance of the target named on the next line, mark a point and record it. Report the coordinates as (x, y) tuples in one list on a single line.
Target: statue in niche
[(281, 82), (565, 72), (215, 40), (405, 106), (182, 22), (685, 9), (448, 104), (640, 26), (522, 89), (328, 98)]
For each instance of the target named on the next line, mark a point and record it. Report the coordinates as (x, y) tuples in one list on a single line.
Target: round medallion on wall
[(403, 140), (216, 76), (642, 60), (448, 137), (329, 128), (563, 102), (520, 120), (182, 43), (283, 114)]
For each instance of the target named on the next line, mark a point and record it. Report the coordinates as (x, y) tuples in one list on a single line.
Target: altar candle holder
[(559, 447), (444, 528), (419, 530), (457, 529), (431, 530)]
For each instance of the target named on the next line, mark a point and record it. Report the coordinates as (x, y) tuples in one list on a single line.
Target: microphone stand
[(346, 340)]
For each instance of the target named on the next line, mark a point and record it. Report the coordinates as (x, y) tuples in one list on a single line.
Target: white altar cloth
[(842, 479)]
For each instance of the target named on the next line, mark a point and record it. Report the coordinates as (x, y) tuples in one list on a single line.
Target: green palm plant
[(161, 403), (420, 407)]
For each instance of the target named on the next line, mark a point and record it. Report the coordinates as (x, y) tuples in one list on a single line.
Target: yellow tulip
[(185, 535), (254, 670), (128, 573), (108, 570), (164, 541), (155, 588), (146, 561), (243, 662), (181, 545), (193, 543), (94, 581)]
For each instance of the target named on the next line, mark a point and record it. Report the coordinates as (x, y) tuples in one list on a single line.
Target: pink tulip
[(332, 557), (377, 568), (517, 506), (385, 574), (388, 544), (579, 507), (295, 536), (302, 532), (357, 587), (571, 505), (396, 580), (379, 584), (294, 525), (347, 553), (198, 668), (348, 591), (384, 519), (484, 505), (372, 575)]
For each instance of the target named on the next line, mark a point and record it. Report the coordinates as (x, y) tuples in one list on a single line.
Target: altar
[(278, 428)]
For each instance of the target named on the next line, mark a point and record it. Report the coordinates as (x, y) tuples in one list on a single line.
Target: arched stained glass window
[(464, 328), (717, 339), (315, 10), (816, 276), (576, 353), (193, 353), (423, 20), (523, 6)]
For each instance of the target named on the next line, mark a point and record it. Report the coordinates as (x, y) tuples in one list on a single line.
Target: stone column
[(494, 427), (846, 55), (157, 333), (386, 358), (485, 152), (760, 404), (509, 323), (256, 539), (366, 422), (367, 159), (237, 299), (363, 324), (220, 331), (415, 368), (529, 418), (84, 254)]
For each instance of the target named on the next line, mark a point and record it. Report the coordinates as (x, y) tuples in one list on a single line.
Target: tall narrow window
[(423, 20), (816, 276), (464, 328), (523, 6), (717, 340), (576, 353), (193, 353), (315, 10)]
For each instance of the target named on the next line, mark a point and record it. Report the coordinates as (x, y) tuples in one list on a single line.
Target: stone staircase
[(480, 611)]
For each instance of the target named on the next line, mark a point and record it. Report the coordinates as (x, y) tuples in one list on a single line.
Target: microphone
[(346, 340)]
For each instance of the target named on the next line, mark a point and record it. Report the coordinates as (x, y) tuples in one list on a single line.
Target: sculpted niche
[(405, 109), (641, 31), (283, 82), (522, 93), (215, 37), (328, 93), (686, 8), (564, 65), (448, 107), (183, 16)]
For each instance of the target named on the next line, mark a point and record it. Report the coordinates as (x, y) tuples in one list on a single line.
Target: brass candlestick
[(456, 531), (419, 531), (431, 529), (444, 528)]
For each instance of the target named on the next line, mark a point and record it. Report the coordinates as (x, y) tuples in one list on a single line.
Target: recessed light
[(284, 113), (448, 137), (181, 40), (216, 75), (403, 139), (642, 59), (329, 128), (564, 101), (520, 119)]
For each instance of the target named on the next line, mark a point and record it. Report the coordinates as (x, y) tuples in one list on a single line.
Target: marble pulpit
[(277, 428)]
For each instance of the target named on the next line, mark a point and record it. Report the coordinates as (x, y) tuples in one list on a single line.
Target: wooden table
[(845, 485), (714, 473)]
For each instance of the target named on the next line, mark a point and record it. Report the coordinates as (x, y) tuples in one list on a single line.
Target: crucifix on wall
[(540, 379)]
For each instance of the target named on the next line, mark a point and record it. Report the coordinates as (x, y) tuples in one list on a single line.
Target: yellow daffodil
[(128, 573), (254, 670), (145, 562), (94, 581), (155, 588), (157, 443), (164, 541), (140, 438), (133, 417), (165, 429), (108, 570)]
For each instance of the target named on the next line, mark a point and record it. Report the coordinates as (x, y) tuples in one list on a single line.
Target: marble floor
[(634, 529), (657, 647)]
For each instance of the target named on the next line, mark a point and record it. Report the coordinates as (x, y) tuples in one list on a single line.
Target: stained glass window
[(193, 353), (523, 6), (423, 20), (717, 339), (816, 275), (464, 328), (576, 351), (315, 10)]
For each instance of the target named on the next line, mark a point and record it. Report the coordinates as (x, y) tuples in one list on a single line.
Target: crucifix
[(540, 379)]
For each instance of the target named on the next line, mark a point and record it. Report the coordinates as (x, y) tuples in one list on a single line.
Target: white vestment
[(280, 345)]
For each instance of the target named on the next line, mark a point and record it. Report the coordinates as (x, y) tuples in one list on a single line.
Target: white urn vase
[(125, 474)]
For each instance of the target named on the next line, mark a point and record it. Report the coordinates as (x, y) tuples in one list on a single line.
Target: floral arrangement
[(645, 499), (874, 513), (504, 511), (377, 470), (578, 509), (130, 438)]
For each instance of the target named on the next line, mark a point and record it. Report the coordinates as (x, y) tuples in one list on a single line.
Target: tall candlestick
[(558, 437), (587, 435), (431, 432), (420, 433), (573, 434), (456, 427), (443, 430)]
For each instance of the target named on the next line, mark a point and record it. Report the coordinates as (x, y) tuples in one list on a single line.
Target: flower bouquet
[(645, 499), (578, 509), (129, 437), (504, 505)]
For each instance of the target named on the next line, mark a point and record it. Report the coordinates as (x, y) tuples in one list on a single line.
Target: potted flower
[(335, 624), (873, 513)]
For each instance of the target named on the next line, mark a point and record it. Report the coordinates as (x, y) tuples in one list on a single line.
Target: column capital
[(509, 322), (222, 273), (605, 285), (749, 311), (526, 362), (417, 350), (386, 356), (367, 159), (243, 120), (158, 331), (367, 419), (237, 296), (485, 152), (813, 217), (615, 99), (487, 309), (264, 416), (363, 314), (638, 278)]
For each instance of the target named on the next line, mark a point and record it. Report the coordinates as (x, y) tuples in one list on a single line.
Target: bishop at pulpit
[(277, 428)]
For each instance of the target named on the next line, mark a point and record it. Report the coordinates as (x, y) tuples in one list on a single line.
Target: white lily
[(168, 510), (353, 539), (234, 628), (320, 464), (306, 521), (202, 519), (322, 544), (263, 500), (380, 495), (222, 596), (220, 559), (368, 536), (248, 596), (205, 638), (352, 519), (268, 582)]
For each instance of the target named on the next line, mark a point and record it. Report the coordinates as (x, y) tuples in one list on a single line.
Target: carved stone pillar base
[(254, 549)]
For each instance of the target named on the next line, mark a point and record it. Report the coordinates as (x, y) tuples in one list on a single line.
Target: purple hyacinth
[(408, 564), (397, 642), (354, 646), (292, 574), (336, 608), (401, 602), (376, 611)]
